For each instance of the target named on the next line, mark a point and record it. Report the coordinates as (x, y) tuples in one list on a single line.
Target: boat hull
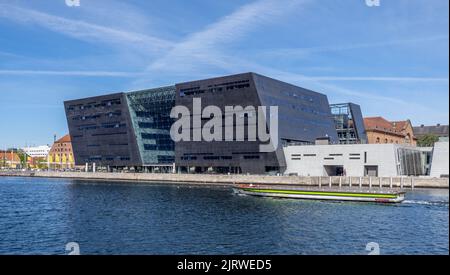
[(391, 197)]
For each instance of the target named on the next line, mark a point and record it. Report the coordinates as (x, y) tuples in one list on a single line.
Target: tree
[(23, 158), (3, 160), (427, 140)]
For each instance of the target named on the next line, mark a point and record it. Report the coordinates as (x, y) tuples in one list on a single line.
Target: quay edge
[(230, 180)]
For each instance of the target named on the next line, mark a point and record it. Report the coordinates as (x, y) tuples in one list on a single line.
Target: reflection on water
[(40, 216)]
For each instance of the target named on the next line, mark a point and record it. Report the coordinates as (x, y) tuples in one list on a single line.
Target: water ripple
[(39, 216)]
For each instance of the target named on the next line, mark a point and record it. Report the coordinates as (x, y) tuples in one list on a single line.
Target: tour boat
[(337, 194)]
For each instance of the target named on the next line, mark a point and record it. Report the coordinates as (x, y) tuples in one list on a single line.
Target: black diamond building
[(133, 129)]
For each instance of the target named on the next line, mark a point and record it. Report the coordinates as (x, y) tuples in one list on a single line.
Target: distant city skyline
[(392, 60)]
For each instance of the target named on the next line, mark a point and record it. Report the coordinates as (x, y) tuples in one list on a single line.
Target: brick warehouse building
[(380, 130)]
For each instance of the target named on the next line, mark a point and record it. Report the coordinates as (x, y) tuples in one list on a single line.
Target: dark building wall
[(358, 121), (303, 116), (101, 131), (237, 90)]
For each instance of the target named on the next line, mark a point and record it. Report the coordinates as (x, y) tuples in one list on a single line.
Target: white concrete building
[(37, 152), (439, 161), (427, 153), (357, 160)]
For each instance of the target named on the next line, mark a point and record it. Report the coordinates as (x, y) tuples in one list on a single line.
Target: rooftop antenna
[(54, 138)]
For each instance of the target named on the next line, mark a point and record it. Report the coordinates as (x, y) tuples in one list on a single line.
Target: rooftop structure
[(349, 123)]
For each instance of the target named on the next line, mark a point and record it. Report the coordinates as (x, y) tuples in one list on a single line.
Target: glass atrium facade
[(150, 116)]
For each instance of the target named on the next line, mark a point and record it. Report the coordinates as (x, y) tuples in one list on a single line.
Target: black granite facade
[(303, 116), (123, 129)]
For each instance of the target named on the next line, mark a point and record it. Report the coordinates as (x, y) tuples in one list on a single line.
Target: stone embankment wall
[(228, 180)]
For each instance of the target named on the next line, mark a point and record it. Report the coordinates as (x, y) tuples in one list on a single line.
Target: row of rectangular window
[(297, 157), (154, 147), (110, 134), (233, 153), (314, 155), (166, 158), (156, 136), (216, 85), (107, 158), (116, 144), (230, 83), (198, 154), (212, 90), (166, 124), (303, 97), (95, 105), (104, 126), (146, 114), (190, 89), (276, 101), (96, 116), (217, 157)]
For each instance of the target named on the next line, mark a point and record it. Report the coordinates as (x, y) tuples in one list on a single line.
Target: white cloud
[(374, 78), (72, 73), (6, 54), (117, 14), (203, 47), (83, 30), (304, 52)]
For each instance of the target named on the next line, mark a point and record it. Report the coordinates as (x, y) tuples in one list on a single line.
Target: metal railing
[(361, 182)]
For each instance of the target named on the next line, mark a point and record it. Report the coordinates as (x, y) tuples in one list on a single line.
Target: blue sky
[(391, 59)]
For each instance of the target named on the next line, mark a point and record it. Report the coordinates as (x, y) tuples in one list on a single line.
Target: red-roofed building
[(61, 154), (9, 159), (380, 130)]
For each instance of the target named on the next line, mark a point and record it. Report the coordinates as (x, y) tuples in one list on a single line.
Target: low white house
[(38, 151), (357, 160), (439, 161)]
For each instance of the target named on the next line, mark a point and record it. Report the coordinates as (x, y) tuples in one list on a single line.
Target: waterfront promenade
[(229, 180)]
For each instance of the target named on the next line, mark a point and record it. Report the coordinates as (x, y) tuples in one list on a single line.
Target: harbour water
[(40, 216)]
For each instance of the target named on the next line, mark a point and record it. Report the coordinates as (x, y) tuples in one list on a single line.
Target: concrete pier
[(228, 180)]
